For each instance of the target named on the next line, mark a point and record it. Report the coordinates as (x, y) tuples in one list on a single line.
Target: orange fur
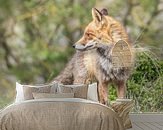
[(108, 30)]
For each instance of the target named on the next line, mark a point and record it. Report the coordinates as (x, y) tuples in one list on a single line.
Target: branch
[(153, 15), (7, 50), (130, 6)]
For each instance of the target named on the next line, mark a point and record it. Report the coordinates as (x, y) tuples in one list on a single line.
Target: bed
[(59, 114)]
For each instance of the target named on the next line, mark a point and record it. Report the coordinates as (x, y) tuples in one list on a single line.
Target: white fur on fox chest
[(90, 61)]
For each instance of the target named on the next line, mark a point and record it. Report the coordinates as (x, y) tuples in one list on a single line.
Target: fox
[(93, 59)]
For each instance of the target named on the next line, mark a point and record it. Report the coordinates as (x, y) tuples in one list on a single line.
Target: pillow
[(28, 90), (24, 92), (51, 95), (92, 93), (79, 90), (54, 87), (19, 93)]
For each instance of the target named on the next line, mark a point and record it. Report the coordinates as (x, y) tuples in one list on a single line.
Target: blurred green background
[(36, 38)]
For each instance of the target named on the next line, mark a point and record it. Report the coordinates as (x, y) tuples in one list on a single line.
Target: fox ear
[(98, 17), (104, 11)]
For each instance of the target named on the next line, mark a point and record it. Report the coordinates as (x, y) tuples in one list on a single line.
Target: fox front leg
[(103, 93)]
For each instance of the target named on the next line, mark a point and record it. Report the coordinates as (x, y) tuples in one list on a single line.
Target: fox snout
[(88, 46), (79, 47)]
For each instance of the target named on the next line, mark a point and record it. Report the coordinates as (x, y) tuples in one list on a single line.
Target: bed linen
[(59, 114)]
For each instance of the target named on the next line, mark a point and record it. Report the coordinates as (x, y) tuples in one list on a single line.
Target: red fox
[(93, 58)]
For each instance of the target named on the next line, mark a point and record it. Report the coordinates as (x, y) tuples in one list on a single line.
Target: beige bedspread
[(59, 114)]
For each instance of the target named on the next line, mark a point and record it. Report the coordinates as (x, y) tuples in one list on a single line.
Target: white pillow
[(19, 92), (92, 93)]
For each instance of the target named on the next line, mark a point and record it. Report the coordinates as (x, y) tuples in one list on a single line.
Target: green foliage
[(7, 92), (146, 83), (147, 68), (149, 6)]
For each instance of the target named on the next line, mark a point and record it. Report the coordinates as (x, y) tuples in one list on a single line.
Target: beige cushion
[(51, 95), (79, 90), (28, 90), (24, 92), (92, 92)]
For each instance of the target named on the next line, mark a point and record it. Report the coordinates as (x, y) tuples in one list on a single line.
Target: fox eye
[(89, 34)]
